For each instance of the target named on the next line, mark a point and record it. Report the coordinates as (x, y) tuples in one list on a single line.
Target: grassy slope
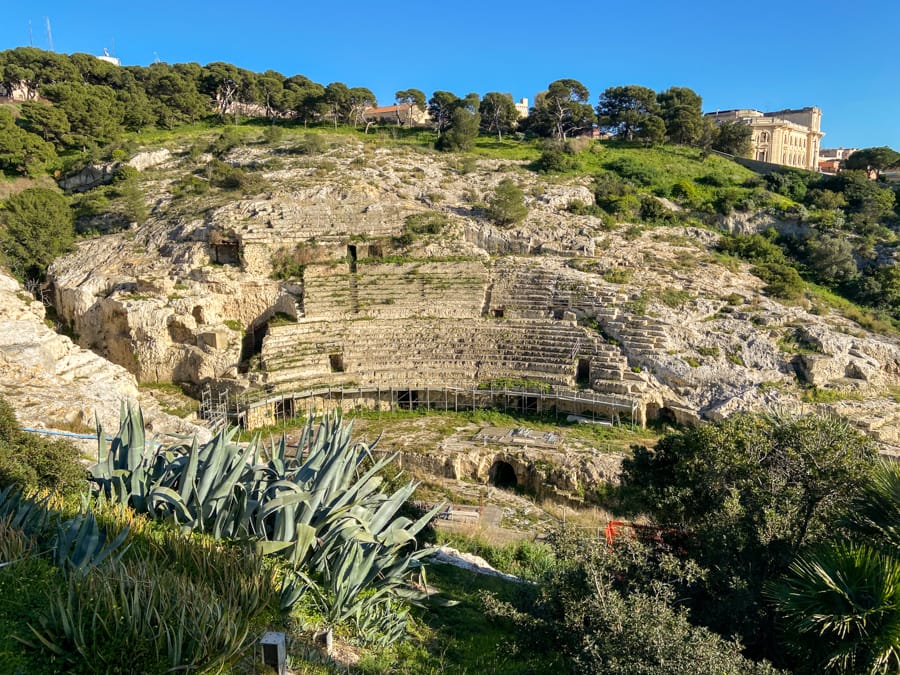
[(461, 639)]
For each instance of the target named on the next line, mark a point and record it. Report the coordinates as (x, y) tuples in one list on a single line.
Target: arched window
[(763, 136)]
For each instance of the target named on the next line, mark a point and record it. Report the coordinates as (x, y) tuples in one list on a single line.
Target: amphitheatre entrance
[(502, 475)]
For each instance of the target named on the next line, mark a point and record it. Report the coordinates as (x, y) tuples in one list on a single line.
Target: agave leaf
[(173, 499)]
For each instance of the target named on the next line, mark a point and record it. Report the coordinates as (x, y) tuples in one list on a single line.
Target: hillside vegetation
[(758, 543)]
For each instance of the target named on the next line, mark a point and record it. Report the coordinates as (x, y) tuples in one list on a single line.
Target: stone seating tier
[(438, 352)]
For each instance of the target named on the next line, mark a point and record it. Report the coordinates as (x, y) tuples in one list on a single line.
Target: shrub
[(190, 185), (654, 211), (229, 138), (782, 280), (686, 193), (753, 247), (554, 160), (633, 171), (32, 462), (272, 134), (310, 144), (430, 222), (728, 199), (507, 206), (230, 177)]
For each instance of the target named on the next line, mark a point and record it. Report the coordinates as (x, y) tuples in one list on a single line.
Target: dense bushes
[(39, 225), (752, 492), (32, 462)]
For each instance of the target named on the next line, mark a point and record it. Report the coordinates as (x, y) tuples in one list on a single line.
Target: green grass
[(461, 639), (25, 587), (868, 319), (819, 395)]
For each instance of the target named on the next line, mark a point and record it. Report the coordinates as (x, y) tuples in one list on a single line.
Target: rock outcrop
[(649, 316), (53, 383)]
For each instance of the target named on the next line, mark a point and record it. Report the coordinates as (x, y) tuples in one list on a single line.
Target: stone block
[(215, 339)]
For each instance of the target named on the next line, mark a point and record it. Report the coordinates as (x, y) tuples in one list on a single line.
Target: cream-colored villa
[(788, 137)]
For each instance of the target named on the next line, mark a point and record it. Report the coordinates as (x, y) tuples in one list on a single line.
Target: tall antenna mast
[(49, 33), (30, 34)]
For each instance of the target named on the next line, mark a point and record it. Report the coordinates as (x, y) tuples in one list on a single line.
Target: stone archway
[(502, 475)]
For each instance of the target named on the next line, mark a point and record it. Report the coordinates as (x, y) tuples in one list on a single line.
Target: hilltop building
[(522, 108), (787, 137), (830, 159), (109, 59), (402, 113)]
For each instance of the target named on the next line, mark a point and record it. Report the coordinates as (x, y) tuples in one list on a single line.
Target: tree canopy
[(498, 113), (751, 492), (873, 160), (631, 113), (562, 111), (38, 226)]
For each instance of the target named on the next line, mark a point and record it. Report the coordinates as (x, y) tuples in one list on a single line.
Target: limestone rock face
[(646, 315), (153, 313), (53, 383)]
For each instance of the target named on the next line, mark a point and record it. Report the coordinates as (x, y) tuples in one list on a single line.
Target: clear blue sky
[(835, 54)]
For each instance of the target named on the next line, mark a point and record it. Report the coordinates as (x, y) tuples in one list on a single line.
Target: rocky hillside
[(365, 263), (53, 383)]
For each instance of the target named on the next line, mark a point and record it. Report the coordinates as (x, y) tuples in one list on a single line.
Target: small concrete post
[(273, 651)]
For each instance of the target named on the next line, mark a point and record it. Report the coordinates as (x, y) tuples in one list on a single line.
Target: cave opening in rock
[(502, 475), (667, 416)]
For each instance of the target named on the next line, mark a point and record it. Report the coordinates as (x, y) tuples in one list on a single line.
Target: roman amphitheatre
[(365, 276)]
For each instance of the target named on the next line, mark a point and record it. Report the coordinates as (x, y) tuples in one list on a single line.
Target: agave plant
[(23, 513), (125, 617), (841, 609), (321, 510), (80, 544)]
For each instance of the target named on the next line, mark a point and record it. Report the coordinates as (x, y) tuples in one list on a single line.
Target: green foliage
[(31, 462), (498, 113), (873, 160), (633, 170), (462, 132), (310, 144), (507, 205), (631, 113), (612, 610), (682, 111), (782, 281), (733, 138), (324, 513), (555, 160), (81, 545), (140, 617), (753, 492), (190, 185), (561, 111), (830, 259), (875, 515), (229, 139), (273, 134), (840, 608), (839, 605), (429, 222), (20, 151), (39, 226), (230, 177)]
